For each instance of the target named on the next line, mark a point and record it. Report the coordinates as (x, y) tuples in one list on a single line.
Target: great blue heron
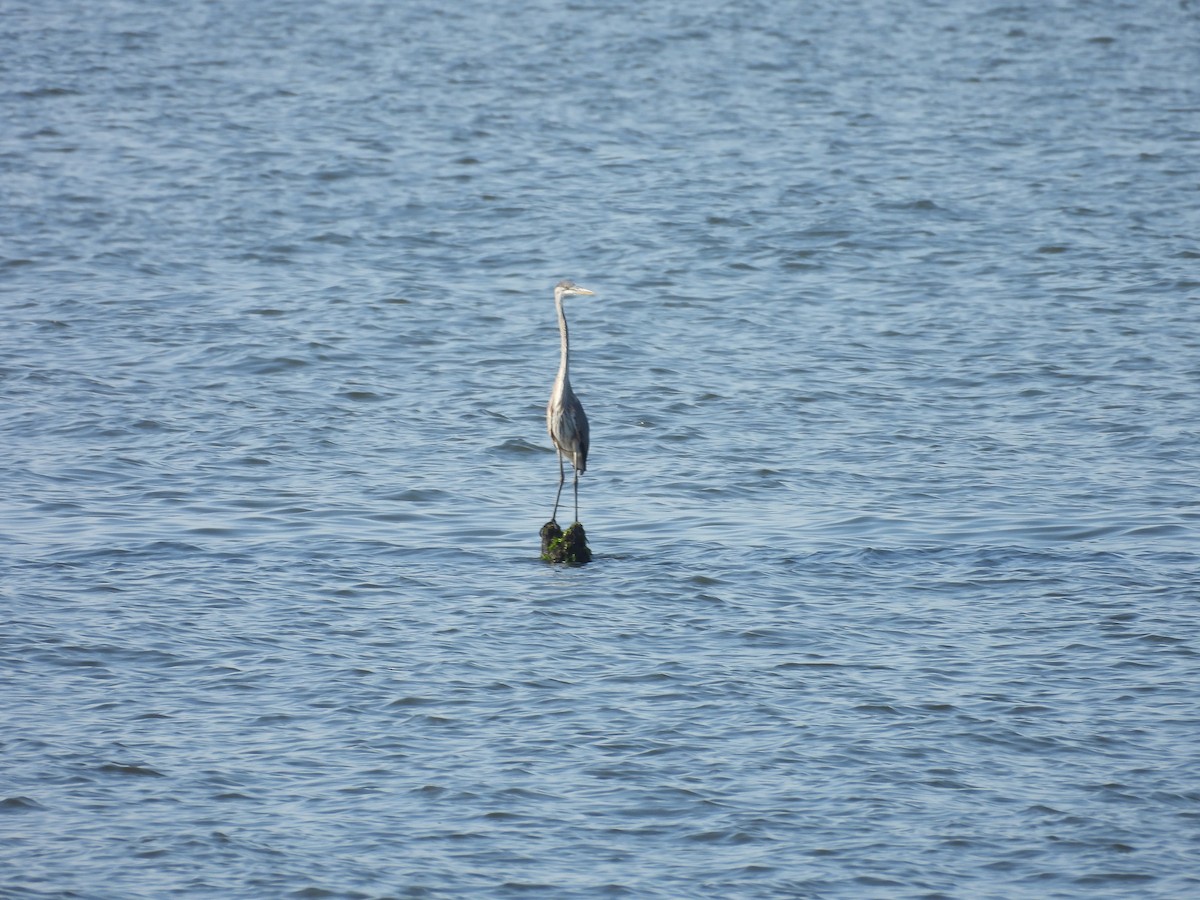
[(565, 419)]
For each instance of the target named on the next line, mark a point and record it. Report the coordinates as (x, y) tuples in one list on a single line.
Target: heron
[(565, 418)]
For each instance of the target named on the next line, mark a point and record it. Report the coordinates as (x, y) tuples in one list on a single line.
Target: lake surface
[(893, 375)]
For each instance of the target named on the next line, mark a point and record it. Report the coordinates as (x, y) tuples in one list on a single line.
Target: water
[(893, 380)]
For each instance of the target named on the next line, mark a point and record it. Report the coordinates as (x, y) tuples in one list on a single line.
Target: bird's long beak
[(583, 290)]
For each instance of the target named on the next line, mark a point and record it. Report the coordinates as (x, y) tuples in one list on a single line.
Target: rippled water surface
[(893, 375)]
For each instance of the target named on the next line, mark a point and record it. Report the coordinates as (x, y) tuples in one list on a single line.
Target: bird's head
[(571, 289)]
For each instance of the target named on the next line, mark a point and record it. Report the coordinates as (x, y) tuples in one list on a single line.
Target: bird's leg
[(562, 476), (576, 495)]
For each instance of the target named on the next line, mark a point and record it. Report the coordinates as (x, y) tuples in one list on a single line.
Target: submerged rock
[(568, 547)]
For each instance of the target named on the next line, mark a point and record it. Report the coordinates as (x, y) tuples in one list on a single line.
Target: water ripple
[(891, 375)]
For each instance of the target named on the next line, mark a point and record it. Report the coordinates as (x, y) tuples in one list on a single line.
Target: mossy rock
[(568, 547)]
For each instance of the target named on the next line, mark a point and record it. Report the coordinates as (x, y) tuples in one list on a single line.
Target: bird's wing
[(581, 423)]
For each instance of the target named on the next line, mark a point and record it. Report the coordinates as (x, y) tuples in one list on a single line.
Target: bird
[(565, 418)]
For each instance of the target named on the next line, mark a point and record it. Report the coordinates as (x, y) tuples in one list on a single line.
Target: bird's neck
[(564, 361)]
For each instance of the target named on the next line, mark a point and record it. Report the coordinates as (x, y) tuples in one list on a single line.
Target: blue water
[(893, 375)]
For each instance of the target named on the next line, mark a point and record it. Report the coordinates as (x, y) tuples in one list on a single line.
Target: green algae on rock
[(570, 547)]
